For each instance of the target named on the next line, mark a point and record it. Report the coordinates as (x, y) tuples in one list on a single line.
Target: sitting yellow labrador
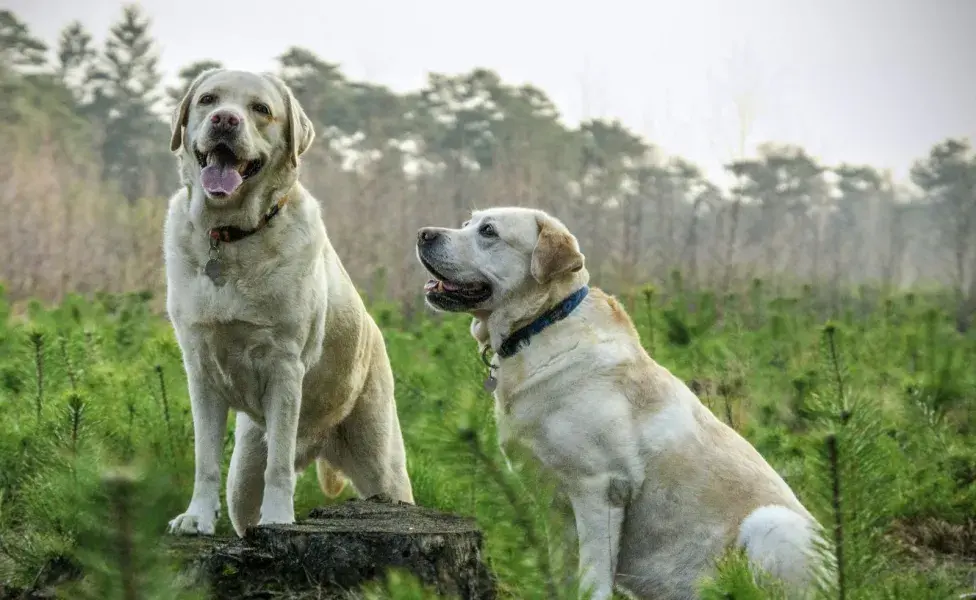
[(659, 487)]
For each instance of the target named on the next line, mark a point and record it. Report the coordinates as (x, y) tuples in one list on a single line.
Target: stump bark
[(337, 549)]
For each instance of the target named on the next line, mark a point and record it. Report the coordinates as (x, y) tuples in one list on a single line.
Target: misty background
[(826, 145)]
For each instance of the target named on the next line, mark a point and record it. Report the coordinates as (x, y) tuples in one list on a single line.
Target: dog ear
[(181, 112), (556, 251), (300, 132)]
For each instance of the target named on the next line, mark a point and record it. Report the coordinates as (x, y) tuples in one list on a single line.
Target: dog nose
[(225, 121), (427, 235)]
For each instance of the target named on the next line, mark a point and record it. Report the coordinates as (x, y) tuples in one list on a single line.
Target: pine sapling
[(830, 331), (728, 409), (838, 515), (90, 347), (165, 400), (854, 474), (119, 488), (76, 410), (470, 439), (730, 389), (648, 293), (129, 445), (68, 368), (37, 341), (756, 298)]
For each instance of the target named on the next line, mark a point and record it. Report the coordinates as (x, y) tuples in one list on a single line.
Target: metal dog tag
[(212, 268), (213, 271), (491, 383)]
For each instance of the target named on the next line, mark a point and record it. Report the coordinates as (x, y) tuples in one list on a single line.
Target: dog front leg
[(282, 405), (599, 518), (209, 427)]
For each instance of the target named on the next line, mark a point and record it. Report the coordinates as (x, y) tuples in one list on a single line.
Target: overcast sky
[(869, 81)]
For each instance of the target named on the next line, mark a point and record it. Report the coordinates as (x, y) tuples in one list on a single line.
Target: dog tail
[(331, 479), (788, 545)]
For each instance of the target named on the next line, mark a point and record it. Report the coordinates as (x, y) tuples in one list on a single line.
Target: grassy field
[(94, 385)]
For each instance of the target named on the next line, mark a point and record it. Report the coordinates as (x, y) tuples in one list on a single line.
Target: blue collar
[(513, 343)]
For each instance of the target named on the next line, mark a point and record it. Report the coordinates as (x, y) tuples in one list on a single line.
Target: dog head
[(513, 259), (236, 131)]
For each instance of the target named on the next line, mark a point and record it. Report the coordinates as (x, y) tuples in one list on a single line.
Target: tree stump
[(337, 549)]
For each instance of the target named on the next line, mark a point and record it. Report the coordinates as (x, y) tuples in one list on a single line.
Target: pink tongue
[(220, 179), (450, 286)]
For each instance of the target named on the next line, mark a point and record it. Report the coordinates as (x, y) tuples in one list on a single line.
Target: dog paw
[(277, 520), (382, 498), (190, 524), (277, 517)]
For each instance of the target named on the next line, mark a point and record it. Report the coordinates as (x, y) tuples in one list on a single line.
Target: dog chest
[(236, 361)]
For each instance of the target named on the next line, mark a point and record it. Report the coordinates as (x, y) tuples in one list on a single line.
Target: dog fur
[(286, 342), (659, 487)]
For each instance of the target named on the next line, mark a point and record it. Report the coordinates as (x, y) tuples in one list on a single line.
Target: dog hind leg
[(331, 479), (368, 446), (245, 478)]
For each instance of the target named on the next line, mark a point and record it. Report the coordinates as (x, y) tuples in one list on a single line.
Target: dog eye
[(487, 230), (207, 99), (261, 108)]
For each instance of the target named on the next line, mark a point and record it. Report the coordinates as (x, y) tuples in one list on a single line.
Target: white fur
[(286, 342), (659, 487), (778, 540)]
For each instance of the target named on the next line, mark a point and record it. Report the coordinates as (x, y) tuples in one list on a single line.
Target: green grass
[(97, 383)]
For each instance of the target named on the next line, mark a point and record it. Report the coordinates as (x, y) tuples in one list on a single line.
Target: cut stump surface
[(337, 549)]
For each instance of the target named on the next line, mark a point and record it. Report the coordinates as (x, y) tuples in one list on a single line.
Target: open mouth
[(223, 171), (466, 293)]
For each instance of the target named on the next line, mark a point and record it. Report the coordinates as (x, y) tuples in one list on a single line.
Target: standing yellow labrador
[(269, 323), (659, 487)]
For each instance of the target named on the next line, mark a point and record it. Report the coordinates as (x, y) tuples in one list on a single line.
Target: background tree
[(782, 184), (126, 97), (76, 62), (321, 88), (948, 178), (18, 48), (185, 77), (860, 193), (608, 179), (386, 163), (704, 198)]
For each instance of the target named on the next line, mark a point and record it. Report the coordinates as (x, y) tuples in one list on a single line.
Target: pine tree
[(186, 76), (31, 96), (18, 48), (76, 57), (125, 100), (948, 177), (322, 90)]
